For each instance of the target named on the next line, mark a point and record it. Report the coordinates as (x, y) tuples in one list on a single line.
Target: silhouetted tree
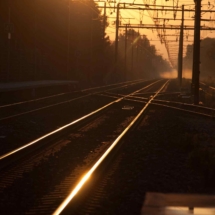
[(207, 58), (142, 59), (52, 39), (62, 39)]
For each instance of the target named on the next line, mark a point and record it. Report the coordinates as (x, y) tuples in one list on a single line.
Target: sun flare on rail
[(73, 193)]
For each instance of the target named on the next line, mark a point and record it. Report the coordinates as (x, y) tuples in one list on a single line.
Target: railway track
[(12, 111), (10, 178), (43, 172), (31, 127), (151, 159), (87, 90), (68, 205), (99, 198), (177, 106)]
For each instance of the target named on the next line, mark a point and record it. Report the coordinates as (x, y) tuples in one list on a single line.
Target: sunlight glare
[(174, 74), (169, 74), (73, 193)]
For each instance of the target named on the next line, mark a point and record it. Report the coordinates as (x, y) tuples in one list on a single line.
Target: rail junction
[(98, 151)]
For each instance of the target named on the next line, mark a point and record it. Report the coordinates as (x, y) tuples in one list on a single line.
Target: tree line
[(207, 58), (141, 57), (65, 40)]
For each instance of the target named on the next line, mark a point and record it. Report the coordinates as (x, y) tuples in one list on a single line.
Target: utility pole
[(137, 59), (180, 52), (104, 21), (132, 51), (9, 38), (91, 49), (126, 35), (35, 42), (116, 38), (196, 53), (68, 45)]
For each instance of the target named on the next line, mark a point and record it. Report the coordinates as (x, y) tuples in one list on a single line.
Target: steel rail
[(7, 155), (184, 110), (32, 100), (142, 93), (207, 86), (173, 102), (167, 106), (160, 94), (168, 93), (60, 103), (213, 88), (136, 81), (185, 104), (61, 94), (178, 103), (207, 92), (176, 108), (145, 93), (84, 179)]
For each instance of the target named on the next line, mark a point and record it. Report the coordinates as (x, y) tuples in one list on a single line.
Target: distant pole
[(20, 60), (116, 37), (68, 45), (132, 51), (126, 35), (180, 53), (196, 53), (104, 21), (35, 43), (137, 60), (91, 48), (9, 38)]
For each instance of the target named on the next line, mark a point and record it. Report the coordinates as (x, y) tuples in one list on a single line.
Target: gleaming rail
[(90, 93), (77, 191), (22, 151), (15, 153)]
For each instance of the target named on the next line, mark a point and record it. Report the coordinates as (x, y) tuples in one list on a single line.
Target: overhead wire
[(163, 33)]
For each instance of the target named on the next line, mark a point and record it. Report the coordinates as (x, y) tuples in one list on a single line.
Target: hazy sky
[(136, 17)]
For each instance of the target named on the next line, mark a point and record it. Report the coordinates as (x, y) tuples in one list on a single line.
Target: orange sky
[(135, 17)]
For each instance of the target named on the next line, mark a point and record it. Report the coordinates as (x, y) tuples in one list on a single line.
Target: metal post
[(35, 43), (68, 45), (126, 35), (116, 38), (132, 51), (20, 60), (196, 53), (9, 38), (180, 53), (91, 48), (104, 22), (137, 59)]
